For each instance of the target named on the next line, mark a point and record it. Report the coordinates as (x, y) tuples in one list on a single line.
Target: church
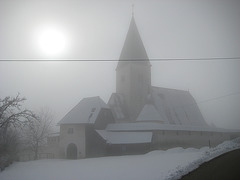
[(138, 117)]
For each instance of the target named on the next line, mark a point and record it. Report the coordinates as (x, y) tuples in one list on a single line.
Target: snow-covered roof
[(54, 134), (149, 113), (177, 106), (85, 112), (118, 106), (150, 126), (125, 137), (169, 106)]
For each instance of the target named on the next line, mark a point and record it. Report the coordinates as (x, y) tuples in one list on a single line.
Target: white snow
[(86, 111), (125, 137), (156, 165), (177, 106), (149, 126), (54, 134), (116, 103), (149, 113)]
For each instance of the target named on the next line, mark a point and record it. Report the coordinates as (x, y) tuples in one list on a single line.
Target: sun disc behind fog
[(51, 41)]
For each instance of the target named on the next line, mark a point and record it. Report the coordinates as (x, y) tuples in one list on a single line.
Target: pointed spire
[(132, 10), (133, 48)]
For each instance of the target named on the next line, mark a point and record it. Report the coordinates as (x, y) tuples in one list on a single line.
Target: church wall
[(123, 83), (197, 139), (134, 82), (127, 149), (72, 133), (104, 118), (123, 80), (95, 145), (140, 88)]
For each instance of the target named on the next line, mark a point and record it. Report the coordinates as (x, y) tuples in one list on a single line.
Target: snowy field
[(156, 165)]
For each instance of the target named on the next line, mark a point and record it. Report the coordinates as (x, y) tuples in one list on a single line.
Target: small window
[(70, 130)]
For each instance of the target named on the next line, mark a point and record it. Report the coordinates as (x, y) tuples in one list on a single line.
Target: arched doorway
[(72, 151)]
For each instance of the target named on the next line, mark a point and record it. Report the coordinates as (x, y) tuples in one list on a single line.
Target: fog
[(97, 30)]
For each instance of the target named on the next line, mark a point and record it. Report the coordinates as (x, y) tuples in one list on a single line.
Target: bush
[(4, 161)]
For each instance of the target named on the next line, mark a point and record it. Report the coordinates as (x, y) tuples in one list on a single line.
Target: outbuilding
[(78, 138)]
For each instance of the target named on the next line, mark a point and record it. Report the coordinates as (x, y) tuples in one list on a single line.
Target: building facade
[(138, 117)]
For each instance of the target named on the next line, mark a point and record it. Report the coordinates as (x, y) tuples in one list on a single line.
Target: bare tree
[(9, 144), (12, 112), (38, 130), (12, 116)]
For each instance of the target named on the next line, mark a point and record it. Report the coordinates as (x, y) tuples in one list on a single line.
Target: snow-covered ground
[(156, 165)]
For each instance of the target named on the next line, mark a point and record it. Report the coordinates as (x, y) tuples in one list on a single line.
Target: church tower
[(133, 73)]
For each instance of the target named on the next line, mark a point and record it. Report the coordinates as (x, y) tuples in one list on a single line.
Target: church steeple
[(133, 78), (133, 49)]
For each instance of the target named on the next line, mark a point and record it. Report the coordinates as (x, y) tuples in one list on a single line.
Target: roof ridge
[(170, 88)]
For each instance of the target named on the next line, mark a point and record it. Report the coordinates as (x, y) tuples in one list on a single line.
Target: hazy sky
[(97, 30)]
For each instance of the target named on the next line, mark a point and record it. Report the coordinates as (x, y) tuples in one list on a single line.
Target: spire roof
[(133, 48)]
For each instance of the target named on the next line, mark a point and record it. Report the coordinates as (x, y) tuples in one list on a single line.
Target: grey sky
[(97, 30)]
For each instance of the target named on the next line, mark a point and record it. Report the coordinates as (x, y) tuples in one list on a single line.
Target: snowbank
[(156, 165), (209, 153)]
